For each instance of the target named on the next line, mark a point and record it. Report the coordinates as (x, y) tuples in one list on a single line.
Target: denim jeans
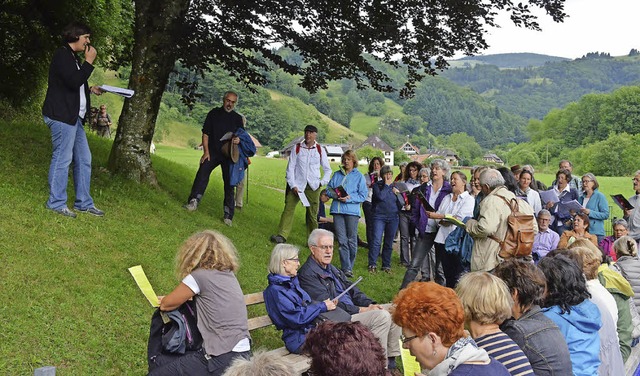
[(346, 227), (422, 251), (69, 145), (387, 226)]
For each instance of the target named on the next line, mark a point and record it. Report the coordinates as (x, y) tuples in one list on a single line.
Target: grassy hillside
[(67, 298), (366, 125), (337, 133)]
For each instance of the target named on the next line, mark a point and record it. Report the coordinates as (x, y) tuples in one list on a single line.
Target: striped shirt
[(502, 348)]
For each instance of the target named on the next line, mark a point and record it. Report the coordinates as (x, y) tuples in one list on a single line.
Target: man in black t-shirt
[(219, 122)]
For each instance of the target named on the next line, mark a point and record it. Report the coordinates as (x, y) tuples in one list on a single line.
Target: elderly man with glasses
[(321, 280)]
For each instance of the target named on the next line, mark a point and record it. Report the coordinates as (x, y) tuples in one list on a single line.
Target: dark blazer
[(62, 102), (320, 284)]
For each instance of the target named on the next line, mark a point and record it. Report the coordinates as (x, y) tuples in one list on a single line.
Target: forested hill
[(511, 60), (533, 92)]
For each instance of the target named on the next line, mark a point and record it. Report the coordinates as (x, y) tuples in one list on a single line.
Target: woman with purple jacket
[(428, 200)]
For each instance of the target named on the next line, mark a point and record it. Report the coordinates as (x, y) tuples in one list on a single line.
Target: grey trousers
[(380, 323)]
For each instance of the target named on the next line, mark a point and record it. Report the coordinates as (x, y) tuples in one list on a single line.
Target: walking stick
[(246, 186)]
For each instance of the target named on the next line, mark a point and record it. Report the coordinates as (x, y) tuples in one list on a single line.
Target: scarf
[(462, 351)]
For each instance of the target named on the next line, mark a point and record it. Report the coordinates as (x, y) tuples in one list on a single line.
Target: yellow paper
[(409, 363), (144, 284)]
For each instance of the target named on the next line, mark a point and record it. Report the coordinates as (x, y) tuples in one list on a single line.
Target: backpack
[(317, 147), (173, 333), (518, 241)]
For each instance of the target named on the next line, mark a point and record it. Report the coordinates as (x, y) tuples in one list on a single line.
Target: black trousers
[(195, 364), (202, 180)]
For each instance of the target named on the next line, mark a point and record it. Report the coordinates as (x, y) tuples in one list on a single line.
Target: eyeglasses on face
[(405, 339), (294, 259)]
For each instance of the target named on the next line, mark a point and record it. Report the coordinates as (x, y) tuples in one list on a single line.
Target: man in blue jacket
[(321, 280)]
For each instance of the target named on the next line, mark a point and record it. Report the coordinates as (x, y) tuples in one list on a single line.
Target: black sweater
[(62, 102)]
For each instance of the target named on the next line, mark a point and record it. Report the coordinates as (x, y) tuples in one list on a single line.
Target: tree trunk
[(157, 33)]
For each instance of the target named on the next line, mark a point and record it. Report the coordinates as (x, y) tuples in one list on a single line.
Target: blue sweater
[(598, 212), (356, 188), (291, 309), (386, 204)]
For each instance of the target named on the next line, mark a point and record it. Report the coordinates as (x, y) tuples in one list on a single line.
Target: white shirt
[(304, 167), (460, 208), (533, 198)]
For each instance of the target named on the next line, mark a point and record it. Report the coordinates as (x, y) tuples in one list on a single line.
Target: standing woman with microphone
[(65, 110)]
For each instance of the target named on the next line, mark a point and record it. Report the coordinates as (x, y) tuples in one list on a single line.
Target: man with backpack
[(304, 176), (505, 227)]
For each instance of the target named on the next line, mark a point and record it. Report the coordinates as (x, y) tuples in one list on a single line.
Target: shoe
[(228, 222), (192, 205), (396, 372), (93, 210), (65, 211), (238, 207), (278, 239), (348, 273), (373, 269), (363, 244), (387, 270)]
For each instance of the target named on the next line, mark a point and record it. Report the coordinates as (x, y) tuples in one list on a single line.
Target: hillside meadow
[(67, 298)]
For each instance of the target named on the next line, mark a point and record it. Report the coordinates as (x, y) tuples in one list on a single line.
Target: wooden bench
[(300, 363)]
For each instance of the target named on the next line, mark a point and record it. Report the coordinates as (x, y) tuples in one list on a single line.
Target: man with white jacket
[(304, 175)]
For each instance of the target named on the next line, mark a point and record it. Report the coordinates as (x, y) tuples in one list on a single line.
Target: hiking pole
[(246, 186)]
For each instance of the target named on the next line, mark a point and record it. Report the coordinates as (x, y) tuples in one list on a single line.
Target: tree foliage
[(30, 32), (332, 38)]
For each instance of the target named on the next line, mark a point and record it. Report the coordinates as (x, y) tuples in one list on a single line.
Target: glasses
[(586, 181), (294, 259), (407, 339), (324, 247)]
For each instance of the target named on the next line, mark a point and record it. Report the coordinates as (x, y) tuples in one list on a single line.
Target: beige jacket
[(492, 221)]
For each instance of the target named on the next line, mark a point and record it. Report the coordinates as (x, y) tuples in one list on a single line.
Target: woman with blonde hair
[(432, 321), (487, 304), (348, 189), (288, 305), (206, 266)]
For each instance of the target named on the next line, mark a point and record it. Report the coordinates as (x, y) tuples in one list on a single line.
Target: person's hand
[(295, 190), (205, 157), (627, 212), (344, 199), (331, 305), (572, 212), (371, 307), (90, 53), (235, 140), (395, 190), (585, 211), (549, 205), (160, 297), (97, 91)]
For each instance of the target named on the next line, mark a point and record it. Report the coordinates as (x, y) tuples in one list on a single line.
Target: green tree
[(202, 33), (369, 153)]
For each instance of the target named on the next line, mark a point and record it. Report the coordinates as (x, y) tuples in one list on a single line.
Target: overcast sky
[(593, 25)]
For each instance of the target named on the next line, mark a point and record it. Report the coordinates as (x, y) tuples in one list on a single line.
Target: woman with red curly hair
[(432, 321), (344, 348)]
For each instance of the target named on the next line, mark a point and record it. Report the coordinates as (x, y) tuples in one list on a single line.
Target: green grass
[(365, 124), (67, 299)]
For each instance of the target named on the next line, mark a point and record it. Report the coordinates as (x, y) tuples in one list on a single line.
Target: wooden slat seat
[(300, 363)]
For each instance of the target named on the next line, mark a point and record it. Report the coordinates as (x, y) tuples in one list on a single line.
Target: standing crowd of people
[(568, 306)]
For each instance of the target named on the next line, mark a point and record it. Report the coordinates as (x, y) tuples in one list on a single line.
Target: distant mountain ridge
[(513, 60)]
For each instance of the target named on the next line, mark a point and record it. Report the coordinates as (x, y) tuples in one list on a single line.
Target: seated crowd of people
[(571, 307)]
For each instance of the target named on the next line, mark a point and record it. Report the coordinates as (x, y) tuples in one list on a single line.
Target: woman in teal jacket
[(348, 190), (595, 205)]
